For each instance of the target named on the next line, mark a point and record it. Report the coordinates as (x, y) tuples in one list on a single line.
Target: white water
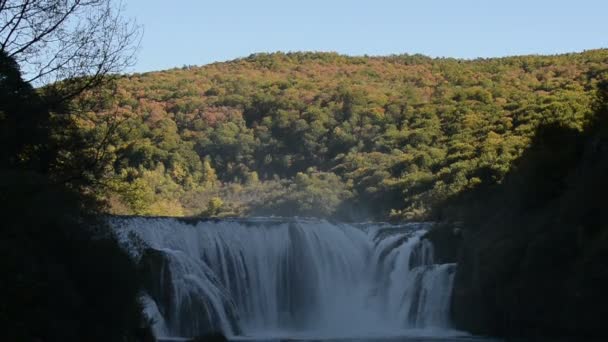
[(293, 278)]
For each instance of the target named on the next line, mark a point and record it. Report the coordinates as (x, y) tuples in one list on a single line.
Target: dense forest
[(59, 257), (323, 134), (64, 275), (533, 250)]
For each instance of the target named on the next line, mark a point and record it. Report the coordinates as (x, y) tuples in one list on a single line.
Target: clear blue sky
[(198, 32)]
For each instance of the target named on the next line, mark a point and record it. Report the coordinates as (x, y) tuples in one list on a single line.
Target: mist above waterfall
[(290, 277)]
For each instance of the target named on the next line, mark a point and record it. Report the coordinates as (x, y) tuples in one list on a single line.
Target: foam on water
[(296, 278)]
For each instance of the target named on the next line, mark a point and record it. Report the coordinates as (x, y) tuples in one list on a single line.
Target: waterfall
[(255, 276)]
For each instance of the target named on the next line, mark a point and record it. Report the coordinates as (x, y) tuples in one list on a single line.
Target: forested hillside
[(325, 134), (533, 250)]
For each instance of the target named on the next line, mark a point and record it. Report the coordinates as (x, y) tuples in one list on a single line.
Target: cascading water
[(263, 276)]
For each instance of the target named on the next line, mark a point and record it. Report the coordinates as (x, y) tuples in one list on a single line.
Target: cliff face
[(533, 261)]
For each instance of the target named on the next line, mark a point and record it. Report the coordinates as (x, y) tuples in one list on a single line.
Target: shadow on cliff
[(64, 276), (533, 257)]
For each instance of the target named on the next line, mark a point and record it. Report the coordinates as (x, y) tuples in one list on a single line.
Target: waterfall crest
[(246, 277)]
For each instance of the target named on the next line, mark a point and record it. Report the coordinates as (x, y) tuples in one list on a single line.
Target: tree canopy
[(65, 277), (400, 134)]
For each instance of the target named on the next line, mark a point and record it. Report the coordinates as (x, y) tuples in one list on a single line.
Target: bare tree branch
[(18, 17), (69, 44), (43, 33)]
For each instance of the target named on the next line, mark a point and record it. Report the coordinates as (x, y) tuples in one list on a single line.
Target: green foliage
[(312, 194), (535, 247), (404, 132), (214, 206)]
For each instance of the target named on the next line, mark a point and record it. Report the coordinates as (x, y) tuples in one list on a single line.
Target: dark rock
[(447, 239)]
